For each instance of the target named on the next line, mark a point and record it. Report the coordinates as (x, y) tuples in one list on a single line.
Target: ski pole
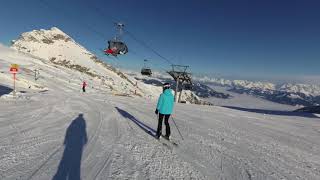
[(177, 127)]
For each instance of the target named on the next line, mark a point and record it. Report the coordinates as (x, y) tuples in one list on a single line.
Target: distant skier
[(84, 84), (164, 109)]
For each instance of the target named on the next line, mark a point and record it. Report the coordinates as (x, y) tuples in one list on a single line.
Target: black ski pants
[(166, 122)]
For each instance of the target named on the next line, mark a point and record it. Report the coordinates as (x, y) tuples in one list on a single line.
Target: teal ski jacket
[(165, 102)]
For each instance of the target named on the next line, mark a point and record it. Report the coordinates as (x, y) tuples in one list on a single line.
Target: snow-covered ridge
[(286, 93), (307, 89)]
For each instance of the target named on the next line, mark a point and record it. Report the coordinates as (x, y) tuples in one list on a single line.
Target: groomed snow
[(218, 142)]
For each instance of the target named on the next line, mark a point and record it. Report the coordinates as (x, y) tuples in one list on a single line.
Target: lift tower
[(182, 77)]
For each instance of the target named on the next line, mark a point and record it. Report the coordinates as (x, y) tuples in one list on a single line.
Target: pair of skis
[(173, 142), (162, 139)]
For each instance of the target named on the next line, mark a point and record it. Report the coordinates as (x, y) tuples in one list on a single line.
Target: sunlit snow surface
[(44, 136)]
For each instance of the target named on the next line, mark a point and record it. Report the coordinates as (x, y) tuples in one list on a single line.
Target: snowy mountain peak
[(57, 30), (42, 36), (57, 48), (53, 44)]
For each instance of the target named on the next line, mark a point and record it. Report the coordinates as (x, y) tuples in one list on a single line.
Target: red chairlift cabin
[(116, 46)]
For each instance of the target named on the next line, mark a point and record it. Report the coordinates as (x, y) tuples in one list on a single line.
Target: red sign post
[(14, 71)]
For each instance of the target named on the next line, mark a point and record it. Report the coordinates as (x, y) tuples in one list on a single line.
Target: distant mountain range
[(205, 91), (287, 93)]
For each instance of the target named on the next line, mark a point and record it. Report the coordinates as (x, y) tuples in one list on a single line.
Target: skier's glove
[(156, 111)]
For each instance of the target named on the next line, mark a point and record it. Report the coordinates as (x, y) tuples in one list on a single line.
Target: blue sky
[(235, 38)]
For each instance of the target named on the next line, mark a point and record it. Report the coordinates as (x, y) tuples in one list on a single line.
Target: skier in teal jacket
[(164, 109)]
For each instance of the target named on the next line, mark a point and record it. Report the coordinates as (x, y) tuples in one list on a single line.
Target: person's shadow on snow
[(75, 139)]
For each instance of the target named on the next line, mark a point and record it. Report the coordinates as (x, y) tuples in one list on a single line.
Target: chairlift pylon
[(188, 86)]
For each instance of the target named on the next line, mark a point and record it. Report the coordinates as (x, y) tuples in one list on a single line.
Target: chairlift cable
[(148, 47), (94, 31), (103, 14)]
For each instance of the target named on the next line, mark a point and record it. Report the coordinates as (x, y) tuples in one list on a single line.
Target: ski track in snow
[(219, 143)]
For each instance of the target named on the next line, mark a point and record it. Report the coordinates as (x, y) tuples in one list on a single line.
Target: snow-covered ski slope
[(219, 142), (53, 131)]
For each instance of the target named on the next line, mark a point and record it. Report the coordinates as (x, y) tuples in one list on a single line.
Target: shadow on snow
[(143, 126), (75, 139), (5, 90)]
